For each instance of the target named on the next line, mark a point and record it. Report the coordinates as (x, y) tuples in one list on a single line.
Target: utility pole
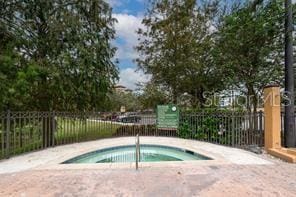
[(289, 122)]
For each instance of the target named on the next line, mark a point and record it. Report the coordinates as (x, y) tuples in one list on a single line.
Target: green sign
[(167, 116)]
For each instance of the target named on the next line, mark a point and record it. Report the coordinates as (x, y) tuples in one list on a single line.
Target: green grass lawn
[(70, 130)]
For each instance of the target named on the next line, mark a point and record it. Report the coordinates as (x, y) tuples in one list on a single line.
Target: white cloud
[(114, 3), (129, 78), (127, 39), (126, 32)]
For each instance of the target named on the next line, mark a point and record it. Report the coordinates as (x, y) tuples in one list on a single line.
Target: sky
[(129, 14)]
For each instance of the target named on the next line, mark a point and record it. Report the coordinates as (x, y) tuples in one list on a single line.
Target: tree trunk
[(174, 96), (201, 98), (194, 101), (253, 118), (48, 128)]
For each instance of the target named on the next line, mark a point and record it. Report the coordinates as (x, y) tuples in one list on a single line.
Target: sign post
[(122, 109), (289, 122), (167, 117)]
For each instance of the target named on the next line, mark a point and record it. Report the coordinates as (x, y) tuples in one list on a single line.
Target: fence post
[(85, 121), (53, 130), (232, 130), (8, 134), (261, 142), (272, 110)]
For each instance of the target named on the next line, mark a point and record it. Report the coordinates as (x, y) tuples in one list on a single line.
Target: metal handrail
[(137, 151)]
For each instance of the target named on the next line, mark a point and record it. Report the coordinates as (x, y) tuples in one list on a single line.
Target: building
[(122, 89)]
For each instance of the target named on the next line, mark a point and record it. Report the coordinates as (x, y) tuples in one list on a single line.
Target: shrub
[(184, 130), (144, 130)]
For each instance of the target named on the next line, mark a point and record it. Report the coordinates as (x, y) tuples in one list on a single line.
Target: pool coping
[(128, 142), (52, 158), (132, 146)]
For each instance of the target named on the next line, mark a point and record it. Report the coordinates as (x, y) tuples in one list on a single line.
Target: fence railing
[(29, 131), (236, 129), (283, 127)]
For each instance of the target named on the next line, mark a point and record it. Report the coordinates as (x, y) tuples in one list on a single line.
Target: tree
[(8, 68), (66, 46), (15, 76), (249, 47), (127, 99), (176, 47), (152, 95)]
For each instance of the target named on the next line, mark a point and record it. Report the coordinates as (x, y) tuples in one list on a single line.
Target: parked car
[(129, 118), (110, 117)]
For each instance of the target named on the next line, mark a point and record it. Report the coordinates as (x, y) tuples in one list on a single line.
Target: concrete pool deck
[(232, 172)]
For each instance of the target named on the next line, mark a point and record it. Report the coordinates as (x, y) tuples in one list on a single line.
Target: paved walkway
[(233, 172)]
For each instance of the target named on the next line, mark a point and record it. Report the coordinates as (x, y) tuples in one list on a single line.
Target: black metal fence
[(236, 129), (283, 127), (29, 131)]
